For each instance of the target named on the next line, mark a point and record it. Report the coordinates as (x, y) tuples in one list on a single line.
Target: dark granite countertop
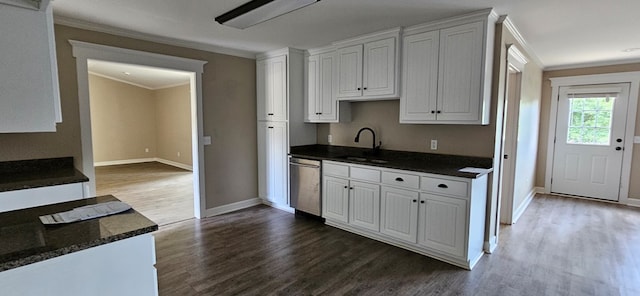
[(25, 240), (440, 164), (26, 174)]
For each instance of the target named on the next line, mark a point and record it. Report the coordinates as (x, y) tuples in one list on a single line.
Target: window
[(590, 120)]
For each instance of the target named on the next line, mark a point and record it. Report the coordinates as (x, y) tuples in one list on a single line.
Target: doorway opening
[(591, 132), (83, 52), (141, 133)]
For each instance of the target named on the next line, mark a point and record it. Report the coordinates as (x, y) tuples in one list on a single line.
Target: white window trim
[(623, 77)]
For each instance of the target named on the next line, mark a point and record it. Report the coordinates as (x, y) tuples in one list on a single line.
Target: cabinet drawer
[(365, 174), (400, 179), (334, 169), (445, 186)]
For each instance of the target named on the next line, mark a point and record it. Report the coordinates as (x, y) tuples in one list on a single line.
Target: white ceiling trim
[(120, 80), (594, 64), (138, 84), (506, 21), (66, 21)]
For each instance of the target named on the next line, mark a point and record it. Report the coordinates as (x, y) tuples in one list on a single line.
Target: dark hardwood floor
[(561, 246)]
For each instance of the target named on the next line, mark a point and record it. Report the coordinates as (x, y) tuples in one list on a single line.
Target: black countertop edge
[(34, 173), (71, 249), (19, 227), (441, 164)]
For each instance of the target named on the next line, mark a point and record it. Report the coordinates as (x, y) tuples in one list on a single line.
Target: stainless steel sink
[(363, 159)]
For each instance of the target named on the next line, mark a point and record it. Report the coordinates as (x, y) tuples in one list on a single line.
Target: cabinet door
[(420, 79), (273, 178), (278, 163), (350, 71), (460, 73), (364, 205), (328, 100), (313, 88), (442, 224), (335, 199), (277, 89), (399, 213), (379, 68), (263, 157), (29, 90)]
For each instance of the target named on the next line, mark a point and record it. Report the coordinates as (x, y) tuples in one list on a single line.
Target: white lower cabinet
[(399, 215), (434, 215), (272, 162), (442, 224), (364, 205), (34, 197), (335, 199)]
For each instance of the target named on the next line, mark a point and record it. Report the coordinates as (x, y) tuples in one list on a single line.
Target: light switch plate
[(636, 140), (206, 140)]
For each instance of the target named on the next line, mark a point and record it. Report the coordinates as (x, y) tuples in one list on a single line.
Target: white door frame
[(515, 65), (84, 51), (623, 77)]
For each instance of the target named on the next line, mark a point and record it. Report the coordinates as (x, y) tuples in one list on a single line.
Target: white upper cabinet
[(271, 85), (350, 71), (447, 70), (460, 73), (420, 77), (322, 102), (29, 90), (368, 66)]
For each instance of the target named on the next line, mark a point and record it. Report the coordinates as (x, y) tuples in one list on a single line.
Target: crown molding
[(71, 22), (507, 23), (592, 64)]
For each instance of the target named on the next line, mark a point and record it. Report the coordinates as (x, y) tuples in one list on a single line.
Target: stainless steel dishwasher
[(305, 185)]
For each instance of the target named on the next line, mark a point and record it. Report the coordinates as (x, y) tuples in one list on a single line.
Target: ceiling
[(141, 76), (561, 33)]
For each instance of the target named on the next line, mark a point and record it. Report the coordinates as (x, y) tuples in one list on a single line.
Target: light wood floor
[(560, 246), (161, 192)]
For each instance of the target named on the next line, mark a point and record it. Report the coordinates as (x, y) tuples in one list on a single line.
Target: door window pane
[(590, 120)]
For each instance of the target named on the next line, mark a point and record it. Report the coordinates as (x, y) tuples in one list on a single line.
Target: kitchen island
[(113, 255)]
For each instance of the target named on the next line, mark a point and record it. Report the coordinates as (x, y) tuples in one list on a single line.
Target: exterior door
[(589, 140)]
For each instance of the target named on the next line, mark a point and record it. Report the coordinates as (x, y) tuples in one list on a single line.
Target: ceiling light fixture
[(258, 11), (126, 73), (631, 49)]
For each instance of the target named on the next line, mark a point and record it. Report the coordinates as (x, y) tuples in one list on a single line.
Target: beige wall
[(528, 126), (126, 120), (383, 118), (123, 120), (173, 123), (634, 188), (229, 107)]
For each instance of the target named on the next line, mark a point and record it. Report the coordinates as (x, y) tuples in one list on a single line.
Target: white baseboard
[(141, 160), (634, 202), (525, 204), (232, 207), (285, 208), (124, 161), (175, 164), (491, 245)]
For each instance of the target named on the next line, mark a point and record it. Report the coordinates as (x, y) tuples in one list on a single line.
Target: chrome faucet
[(374, 147)]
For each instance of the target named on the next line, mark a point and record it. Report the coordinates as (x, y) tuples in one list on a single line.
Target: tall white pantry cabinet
[(280, 115)]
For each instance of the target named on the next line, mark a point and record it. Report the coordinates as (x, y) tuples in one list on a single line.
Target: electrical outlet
[(329, 138), (636, 140), (178, 154), (434, 144), (146, 150)]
